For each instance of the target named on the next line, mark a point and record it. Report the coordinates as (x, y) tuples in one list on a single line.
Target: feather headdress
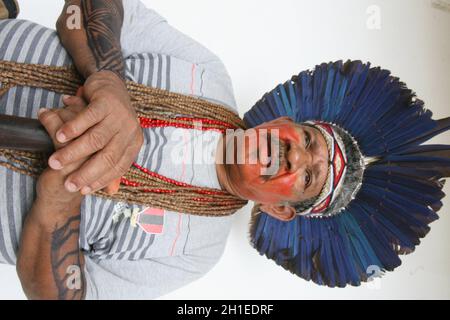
[(392, 187)]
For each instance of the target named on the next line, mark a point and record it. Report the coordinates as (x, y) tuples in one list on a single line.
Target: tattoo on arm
[(103, 23), (66, 261)]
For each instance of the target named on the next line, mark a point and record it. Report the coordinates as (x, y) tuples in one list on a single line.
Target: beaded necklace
[(155, 108)]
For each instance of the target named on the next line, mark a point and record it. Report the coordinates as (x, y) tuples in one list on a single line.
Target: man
[(117, 259), (351, 190)]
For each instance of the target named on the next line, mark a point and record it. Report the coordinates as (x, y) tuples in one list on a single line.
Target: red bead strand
[(153, 123)]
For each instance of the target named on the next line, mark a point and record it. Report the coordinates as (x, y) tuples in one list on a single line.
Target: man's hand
[(108, 130)]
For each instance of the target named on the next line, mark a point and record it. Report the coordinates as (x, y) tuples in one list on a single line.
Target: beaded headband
[(336, 170)]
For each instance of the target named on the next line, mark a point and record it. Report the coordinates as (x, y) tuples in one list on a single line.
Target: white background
[(263, 43)]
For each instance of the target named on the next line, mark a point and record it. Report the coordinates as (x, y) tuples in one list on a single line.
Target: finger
[(66, 114), (113, 187), (51, 122), (110, 182), (92, 141), (75, 102), (103, 167), (86, 119)]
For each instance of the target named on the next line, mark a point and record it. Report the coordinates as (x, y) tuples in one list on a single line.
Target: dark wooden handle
[(24, 134)]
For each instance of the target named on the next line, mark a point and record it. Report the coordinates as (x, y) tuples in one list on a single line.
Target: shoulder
[(196, 69)]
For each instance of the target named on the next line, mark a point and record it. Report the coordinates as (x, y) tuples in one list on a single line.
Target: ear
[(280, 212)]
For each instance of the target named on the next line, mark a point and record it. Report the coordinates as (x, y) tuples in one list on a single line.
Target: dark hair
[(304, 205)]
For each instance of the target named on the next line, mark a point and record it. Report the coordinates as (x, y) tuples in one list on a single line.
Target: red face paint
[(248, 180)]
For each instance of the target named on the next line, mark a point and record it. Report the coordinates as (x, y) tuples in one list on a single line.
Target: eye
[(307, 139), (307, 179)]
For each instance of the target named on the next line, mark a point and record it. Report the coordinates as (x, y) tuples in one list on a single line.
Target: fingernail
[(61, 137), (65, 97), (71, 187), (41, 111), (55, 164), (86, 190)]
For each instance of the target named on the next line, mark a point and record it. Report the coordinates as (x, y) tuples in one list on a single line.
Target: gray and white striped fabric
[(100, 237)]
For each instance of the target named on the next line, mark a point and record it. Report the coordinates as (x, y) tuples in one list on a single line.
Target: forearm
[(95, 44), (50, 264)]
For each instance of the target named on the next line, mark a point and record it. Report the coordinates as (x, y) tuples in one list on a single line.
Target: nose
[(298, 157)]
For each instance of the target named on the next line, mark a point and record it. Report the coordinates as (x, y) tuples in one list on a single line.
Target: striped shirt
[(122, 260)]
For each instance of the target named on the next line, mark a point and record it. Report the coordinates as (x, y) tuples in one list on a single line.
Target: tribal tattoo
[(66, 261), (103, 21)]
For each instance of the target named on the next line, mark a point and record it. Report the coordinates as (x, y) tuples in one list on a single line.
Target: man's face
[(302, 169)]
